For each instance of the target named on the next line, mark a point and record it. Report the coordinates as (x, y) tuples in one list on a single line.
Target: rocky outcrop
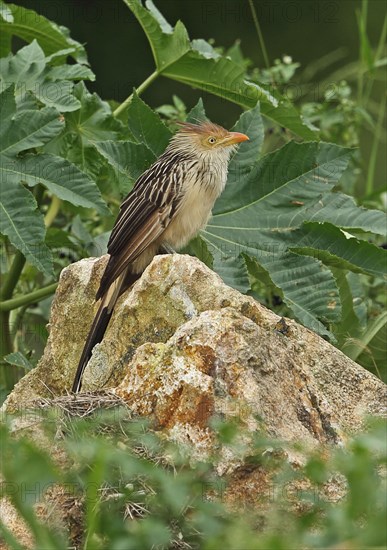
[(181, 346)]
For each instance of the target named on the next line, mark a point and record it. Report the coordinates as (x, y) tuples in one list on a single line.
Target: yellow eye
[(212, 140)]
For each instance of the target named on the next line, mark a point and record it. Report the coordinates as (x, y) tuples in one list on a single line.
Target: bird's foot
[(166, 249)]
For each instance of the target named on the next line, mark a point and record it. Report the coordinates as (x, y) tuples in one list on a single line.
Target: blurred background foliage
[(119, 486)]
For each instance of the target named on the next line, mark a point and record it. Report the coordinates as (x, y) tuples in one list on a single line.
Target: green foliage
[(36, 79), (25, 130), (197, 64), (132, 489), (28, 25), (287, 228)]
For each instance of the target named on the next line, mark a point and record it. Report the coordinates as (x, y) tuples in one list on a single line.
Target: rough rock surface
[(182, 347)]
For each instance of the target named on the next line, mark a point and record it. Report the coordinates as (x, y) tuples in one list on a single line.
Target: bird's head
[(207, 139)]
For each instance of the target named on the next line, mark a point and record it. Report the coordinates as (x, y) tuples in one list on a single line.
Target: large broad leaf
[(21, 220), (354, 309), (28, 25), (23, 224), (127, 159), (93, 121), (334, 248), (342, 210), (59, 176), (70, 72), (197, 64), (361, 338), (266, 213), (147, 127), (28, 129)]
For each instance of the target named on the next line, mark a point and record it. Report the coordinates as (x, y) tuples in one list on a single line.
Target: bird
[(167, 206)]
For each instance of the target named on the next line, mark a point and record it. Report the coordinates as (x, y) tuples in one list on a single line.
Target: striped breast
[(202, 183)]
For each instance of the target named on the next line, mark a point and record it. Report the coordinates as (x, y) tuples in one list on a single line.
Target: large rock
[(181, 346)]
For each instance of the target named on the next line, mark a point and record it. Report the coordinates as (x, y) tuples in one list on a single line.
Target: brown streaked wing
[(152, 228), (143, 217), (153, 190)]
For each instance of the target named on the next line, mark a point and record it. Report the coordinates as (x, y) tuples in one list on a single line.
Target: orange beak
[(235, 137)]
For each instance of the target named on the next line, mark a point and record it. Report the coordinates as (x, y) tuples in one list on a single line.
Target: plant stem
[(377, 57), (260, 35), (139, 91), (52, 212), (9, 375), (13, 275), (374, 150), (362, 26), (28, 299)]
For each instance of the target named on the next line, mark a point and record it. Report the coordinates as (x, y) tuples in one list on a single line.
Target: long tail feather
[(99, 326)]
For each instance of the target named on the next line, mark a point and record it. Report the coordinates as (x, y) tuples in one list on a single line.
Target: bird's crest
[(202, 128)]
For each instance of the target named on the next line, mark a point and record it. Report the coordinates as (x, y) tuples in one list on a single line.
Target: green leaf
[(94, 120), (5, 13), (198, 247), (286, 115), (28, 129), (290, 181), (59, 176), (232, 269), (353, 308), (21, 219), (23, 68), (259, 275), (329, 244), (58, 238), (308, 290), (370, 346), (197, 113), (198, 65), (203, 47), (29, 25), (128, 159), (18, 359), (70, 72), (7, 109), (23, 224), (27, 71), (373, 357), (147, 127), (250, 123), (342, 210), (236, 55), (5, 44), (86, 158)]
